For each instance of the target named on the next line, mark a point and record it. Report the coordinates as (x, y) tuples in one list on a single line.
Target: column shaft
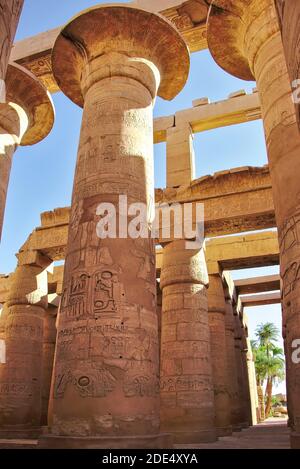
[(283, 142), (21, 375), (49, 341), (106, 371), (187, 401), (216, 320), (236, 410)]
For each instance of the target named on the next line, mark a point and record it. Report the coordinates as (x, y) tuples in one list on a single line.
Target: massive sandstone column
[(112, 60), (236, 415), (289, 19), (245, 40), (49, 340), (241, 375), (26, 119), (10, 11), (187, 399), (21, 374), (248, 364), (216, 321)]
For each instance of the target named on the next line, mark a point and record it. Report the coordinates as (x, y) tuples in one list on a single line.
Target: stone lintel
[(257, 284), (261, 299)]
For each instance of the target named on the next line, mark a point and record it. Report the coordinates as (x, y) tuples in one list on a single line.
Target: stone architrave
[(112, 60)]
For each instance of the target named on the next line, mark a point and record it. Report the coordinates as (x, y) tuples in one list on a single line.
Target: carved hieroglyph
[(10, 11), (26, 120), (244, 38), (187, 400), (106, 375)]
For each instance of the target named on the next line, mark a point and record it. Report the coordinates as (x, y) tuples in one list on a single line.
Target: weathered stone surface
[(187, 402), (49, 340), (216, 321), (289, 18), (236, 406), (21, 374), (250, 31)]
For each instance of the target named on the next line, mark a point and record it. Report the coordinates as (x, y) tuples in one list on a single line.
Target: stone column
[(244, 38), (180, 156), (106, 372), (187, 400), (159, 313), (289, 19), (241, 374), (10, 11), (236, 410), (249, 367), (26, 120), (21, 374), (216, 321), (48, 358)]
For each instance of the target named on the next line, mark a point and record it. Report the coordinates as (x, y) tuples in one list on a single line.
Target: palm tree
[(269, 364), (260, 361), (275, 372), (267, 335)]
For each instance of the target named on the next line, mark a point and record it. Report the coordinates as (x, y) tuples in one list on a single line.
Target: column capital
[(237, 29), (36, 116), (120, 41)]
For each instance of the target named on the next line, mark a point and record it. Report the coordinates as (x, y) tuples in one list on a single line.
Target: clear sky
[(42, 175)]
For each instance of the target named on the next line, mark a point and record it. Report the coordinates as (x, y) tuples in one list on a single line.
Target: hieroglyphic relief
[(289, 238)]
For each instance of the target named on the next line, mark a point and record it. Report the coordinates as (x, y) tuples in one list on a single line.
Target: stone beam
[(261, 299), (231, 111), (243, 252), (234, 110), (249, 286), (234, 201)]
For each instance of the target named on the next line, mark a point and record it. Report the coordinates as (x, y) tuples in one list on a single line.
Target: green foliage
[(268, 357)]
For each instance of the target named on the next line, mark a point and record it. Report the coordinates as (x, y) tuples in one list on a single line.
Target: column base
[(224, 431), (161, 441), (205, 436), (16, 432), (295, 440)]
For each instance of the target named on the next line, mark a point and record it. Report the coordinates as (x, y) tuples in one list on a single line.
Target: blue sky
[(42, 175)]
